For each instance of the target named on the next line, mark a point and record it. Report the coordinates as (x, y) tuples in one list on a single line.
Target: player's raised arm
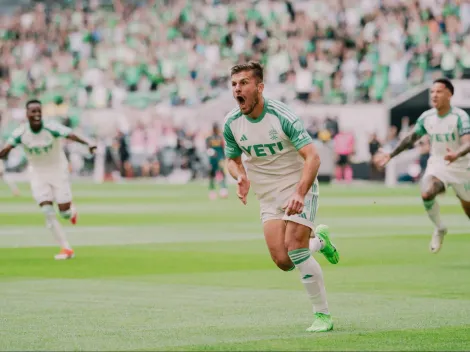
[(91, 146), (419, 131), (405, 143), (58, 130), (12, 142)]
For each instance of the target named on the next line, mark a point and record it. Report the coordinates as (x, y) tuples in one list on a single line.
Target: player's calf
[(56, 229), (430, 188), (282, 260), (297, 238)]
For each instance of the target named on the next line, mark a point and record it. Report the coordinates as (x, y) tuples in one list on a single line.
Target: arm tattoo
[(405, 143)]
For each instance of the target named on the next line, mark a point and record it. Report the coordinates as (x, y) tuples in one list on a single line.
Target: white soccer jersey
[(270, 143), (444, 132), (43, 148)]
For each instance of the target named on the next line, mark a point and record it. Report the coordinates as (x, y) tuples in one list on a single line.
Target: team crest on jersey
[(273, 134)]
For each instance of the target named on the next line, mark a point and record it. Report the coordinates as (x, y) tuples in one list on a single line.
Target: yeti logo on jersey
[(273, 134), (261, 150), (33, 146), (38, 150), (443, 137)]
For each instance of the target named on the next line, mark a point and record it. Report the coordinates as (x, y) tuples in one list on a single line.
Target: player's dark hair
[(447, 83), (252, 66), (32, 101)]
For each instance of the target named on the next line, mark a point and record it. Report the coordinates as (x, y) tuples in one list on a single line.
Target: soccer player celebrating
[(215, 150), (48, 169), (449, 164), (282, 165)]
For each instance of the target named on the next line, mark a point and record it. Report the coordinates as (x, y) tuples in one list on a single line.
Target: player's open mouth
[(241, 100), (37, 119)]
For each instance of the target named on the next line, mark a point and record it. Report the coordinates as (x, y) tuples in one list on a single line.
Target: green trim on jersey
[(419, 129), (260, 117), (57, 130), (291, 125), (463, 123), (445, 115), (232, 149), (15, 138)]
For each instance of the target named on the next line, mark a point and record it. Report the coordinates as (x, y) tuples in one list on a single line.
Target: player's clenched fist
[(243, 186), (295, 205), (451, 156)]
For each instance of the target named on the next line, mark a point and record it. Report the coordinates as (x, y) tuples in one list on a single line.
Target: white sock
[(433, 210), (315, 244), (312, 278), (54, 226)]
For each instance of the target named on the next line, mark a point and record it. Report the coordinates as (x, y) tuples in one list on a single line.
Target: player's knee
[(66, 214), (49, 214), (466, 208), (427, 196), (283, 262), (295, 242)]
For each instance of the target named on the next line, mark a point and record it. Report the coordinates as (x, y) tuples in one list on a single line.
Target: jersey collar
[(448, 113)]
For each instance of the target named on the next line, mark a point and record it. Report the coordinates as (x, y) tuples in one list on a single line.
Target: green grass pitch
[(160, 267)]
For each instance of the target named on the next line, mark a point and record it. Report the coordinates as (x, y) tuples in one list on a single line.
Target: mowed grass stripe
[(198, 190), (203, 292), (223, 315), (215, 215)]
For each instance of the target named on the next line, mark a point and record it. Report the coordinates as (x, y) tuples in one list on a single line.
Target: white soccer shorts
[(272, 207), (53, 188), (458, 179)]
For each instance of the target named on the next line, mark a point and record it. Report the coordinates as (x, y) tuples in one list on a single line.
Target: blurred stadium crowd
[(94, 54), (331, 51)]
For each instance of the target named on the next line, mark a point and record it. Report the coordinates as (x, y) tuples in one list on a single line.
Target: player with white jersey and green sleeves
[(282, 165), (448, 128), (48, 166)]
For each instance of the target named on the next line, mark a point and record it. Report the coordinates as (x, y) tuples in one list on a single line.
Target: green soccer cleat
[(329, 250), (321, 323)]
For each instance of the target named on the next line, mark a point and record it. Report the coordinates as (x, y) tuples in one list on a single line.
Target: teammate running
[(282, 164), (449, 163), (48, 168)]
